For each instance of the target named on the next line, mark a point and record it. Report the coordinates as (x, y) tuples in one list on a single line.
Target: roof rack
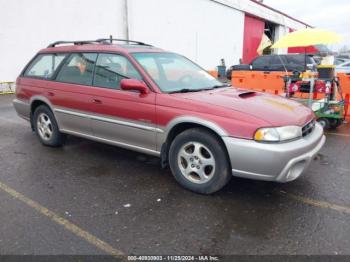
[(107, 41), (111, 40), (84, 42)]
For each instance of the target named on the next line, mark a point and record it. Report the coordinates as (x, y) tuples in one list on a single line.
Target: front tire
[(324, 122), (46, 127), (199, 162)]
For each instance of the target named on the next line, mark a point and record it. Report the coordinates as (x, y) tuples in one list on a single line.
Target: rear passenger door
[(124, 117), (70, 96)]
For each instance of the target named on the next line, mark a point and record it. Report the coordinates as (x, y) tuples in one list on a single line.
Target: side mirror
[(133, 84)]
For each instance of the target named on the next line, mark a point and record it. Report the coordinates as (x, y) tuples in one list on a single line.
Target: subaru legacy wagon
[(143, 98)]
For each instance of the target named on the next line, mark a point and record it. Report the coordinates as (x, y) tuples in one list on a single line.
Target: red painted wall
[(253, 31), (309, 49)]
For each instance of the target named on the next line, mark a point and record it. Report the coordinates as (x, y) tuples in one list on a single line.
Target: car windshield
[(175, 73)]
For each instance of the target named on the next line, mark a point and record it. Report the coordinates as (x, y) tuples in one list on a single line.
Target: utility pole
[(126, 20)]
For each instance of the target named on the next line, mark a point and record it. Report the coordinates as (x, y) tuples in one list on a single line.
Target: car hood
[(273, 109)]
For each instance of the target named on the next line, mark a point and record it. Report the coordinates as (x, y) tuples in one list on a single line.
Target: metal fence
[(7, 88)]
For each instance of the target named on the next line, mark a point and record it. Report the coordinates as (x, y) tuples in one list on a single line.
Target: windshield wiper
[(220, 86), (187, 90)]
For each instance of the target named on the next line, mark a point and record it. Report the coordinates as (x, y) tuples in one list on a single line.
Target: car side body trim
[(110, 120), (113, 142)]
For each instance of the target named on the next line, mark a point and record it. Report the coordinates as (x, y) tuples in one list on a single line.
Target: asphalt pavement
[(91, 198)]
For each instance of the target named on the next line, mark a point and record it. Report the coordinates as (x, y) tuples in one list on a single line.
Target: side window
[(276, 63), (261, 63), (111, 69), (78, 69), (297, 62), (44, 65)]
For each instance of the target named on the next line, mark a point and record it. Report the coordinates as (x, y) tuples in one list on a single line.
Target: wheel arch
[(35, 102), (178, 126)]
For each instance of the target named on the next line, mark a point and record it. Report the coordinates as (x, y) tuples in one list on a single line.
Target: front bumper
[(281, 162)]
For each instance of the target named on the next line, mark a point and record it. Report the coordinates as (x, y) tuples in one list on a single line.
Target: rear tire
[(334, 123), (199, 161), (46, 128)]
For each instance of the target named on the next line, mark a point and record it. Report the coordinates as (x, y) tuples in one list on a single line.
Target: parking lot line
[(316, 203), (337, 134), (100, 244)]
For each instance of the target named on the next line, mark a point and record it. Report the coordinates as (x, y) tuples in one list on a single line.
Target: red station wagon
[(139, 97)]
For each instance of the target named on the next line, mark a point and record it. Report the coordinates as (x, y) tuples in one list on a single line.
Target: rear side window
[(111, 69), (44, 65), (297, 62), (277, 63), (78, 69)]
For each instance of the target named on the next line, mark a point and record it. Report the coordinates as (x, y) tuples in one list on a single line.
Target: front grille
[(308, 128)]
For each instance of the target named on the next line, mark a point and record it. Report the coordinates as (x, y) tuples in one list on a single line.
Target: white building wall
[(202, 30), (28, 26)]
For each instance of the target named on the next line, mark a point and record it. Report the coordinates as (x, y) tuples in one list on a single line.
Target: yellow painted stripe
[(63, 222), (316, 203), (6, 92), (338, 134)]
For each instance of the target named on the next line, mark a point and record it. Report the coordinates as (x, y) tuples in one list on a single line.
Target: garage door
[(253, 31)]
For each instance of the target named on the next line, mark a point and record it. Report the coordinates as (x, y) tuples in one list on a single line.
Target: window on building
[(44, 65), (78, 69), (111, 69)]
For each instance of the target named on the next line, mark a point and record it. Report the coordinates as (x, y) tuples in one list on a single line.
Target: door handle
[(266, 72), (96, 101)]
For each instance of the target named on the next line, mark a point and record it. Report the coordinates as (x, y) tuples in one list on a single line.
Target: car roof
[(296, 54), (102, 47)]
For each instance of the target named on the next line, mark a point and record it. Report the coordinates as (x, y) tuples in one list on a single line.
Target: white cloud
[(332, 15)]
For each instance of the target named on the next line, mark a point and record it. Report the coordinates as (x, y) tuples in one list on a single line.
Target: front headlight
[(277, 134)]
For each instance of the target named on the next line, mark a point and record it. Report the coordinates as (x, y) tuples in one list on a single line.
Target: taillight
[(323, 87), (294, 87)]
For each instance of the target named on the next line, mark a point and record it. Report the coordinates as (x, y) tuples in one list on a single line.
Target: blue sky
[(327, 14)]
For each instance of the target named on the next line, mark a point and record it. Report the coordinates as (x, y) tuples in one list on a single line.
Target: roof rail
[(84, 42), (111, 40), (107, 41)]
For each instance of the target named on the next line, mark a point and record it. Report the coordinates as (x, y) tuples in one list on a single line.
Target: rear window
[(44, 65)]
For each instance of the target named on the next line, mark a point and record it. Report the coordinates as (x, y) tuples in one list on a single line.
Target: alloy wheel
[(196, 162), (44, 126)]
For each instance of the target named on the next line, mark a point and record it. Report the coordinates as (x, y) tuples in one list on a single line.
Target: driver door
[(125, 118)]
